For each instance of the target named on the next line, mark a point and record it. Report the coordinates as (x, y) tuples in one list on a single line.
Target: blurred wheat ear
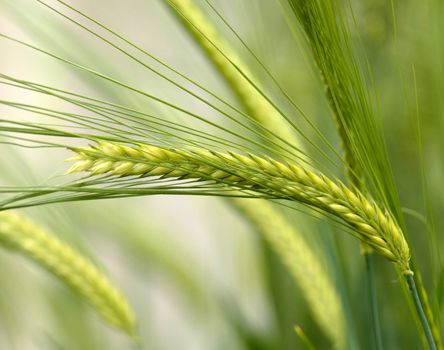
[(302, 263), (20, 235)]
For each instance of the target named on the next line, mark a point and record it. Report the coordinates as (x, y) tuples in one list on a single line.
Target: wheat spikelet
[(21, 235), (373, 225), (312, 277), (220, 54)]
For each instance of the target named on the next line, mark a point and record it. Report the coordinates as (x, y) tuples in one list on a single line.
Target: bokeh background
[(195, 271)]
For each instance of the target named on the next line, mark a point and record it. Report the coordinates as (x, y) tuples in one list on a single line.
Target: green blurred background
[(195, 271)]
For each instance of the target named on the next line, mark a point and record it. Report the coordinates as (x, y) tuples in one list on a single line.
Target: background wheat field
[(208, 174)]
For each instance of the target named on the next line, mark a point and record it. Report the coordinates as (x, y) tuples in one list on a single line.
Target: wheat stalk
[(21, 235), (373, 225)]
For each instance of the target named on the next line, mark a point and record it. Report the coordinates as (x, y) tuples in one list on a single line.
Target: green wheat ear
[(373, 225), (21, 235)]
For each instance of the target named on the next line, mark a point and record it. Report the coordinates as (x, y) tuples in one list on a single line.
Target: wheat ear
[(373, 225), (21, 235), (300, 259)]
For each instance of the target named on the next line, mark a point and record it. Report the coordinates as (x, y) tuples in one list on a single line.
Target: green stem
[(426, 305), (420, 311), (376, 327)]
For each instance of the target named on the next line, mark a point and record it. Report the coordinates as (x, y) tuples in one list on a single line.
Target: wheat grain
[(373, 225), (21, 235)]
